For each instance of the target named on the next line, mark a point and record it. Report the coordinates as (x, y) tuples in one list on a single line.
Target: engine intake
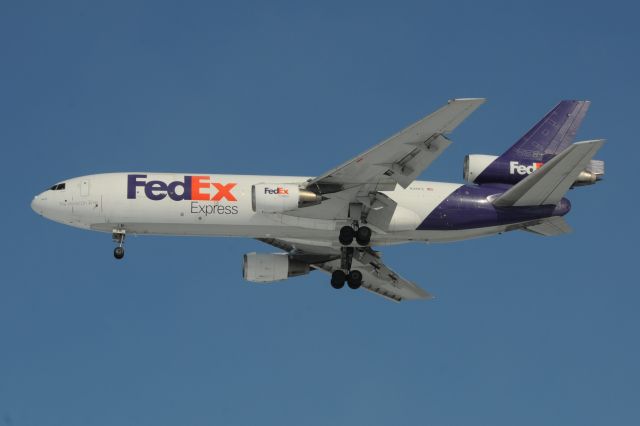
[(281, 197), (270, 267), (475, 164)]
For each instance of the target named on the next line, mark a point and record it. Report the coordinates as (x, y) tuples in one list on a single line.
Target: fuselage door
[(84, 188), (85, 208)]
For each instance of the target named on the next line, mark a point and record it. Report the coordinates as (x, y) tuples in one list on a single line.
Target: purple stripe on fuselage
[(470, 207)]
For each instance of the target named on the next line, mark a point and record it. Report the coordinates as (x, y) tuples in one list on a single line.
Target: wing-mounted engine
[(281, 197), (484, 169), (270, 267)]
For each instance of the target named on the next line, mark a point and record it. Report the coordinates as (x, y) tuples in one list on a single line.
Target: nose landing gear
[(118, 252), (118, 236)]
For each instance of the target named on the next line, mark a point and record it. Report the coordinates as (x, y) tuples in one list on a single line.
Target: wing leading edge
[(402, 157)]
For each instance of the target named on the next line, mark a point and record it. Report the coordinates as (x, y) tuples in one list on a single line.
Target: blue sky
[(524, 330)]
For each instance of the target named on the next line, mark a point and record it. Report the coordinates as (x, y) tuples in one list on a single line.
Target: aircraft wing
[(402, 157), (376, 276)]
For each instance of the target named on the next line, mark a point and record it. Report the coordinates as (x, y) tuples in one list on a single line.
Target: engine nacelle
[(269, 267), (480, 169), (593, 173), (281, 197), (475, 164)]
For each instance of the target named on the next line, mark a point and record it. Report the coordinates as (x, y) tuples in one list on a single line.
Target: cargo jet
[(331, 222)]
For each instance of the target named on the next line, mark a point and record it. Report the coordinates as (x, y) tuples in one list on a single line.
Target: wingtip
[(425, 295), (591, 142), (586, 101), (474, 100)]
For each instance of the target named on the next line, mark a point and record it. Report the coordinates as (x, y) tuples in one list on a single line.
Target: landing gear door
[(84, 188)]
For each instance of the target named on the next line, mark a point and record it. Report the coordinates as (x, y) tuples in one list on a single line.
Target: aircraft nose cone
[(36, 205)]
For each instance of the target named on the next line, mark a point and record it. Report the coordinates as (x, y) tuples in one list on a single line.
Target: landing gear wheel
[(338, 278), (118, 252), (363, 235), (347, 234), (354, 279)]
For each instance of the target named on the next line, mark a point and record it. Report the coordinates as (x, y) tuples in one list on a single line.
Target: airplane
[(333, 221)]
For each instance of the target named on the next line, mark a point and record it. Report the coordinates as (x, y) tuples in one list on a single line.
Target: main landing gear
[(118, 236), (362, 235), (353, 278)]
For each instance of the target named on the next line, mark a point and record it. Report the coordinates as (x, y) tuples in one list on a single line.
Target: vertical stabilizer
[(548, 137), (551, 135)]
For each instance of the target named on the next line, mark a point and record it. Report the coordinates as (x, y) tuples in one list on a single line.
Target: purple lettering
[(186, 189), (155, 186), (132, 184)]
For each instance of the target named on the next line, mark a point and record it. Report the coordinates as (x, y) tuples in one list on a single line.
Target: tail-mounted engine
[(475, 164), (281, 197), (269, 267), (480, 169)]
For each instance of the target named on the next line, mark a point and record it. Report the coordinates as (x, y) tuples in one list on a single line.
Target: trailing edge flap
[(555, 225), (548, 184), (377, 277)]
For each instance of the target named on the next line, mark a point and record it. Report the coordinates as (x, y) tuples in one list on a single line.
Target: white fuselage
[(221, 205)]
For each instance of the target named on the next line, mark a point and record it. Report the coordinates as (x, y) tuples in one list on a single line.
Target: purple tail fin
[(551, 135)]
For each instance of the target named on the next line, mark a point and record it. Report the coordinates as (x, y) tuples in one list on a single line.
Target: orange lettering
[(196, 185), (224, 191)]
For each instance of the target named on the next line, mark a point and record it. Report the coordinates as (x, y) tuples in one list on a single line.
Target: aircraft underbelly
[(289, 232)]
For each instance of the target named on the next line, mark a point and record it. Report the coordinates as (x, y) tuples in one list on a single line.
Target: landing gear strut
[(118, 236)]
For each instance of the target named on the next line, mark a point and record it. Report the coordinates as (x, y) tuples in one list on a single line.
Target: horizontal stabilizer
[(548, 184), (555, 225)]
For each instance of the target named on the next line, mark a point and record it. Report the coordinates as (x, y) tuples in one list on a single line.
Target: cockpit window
[(58, 187)]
